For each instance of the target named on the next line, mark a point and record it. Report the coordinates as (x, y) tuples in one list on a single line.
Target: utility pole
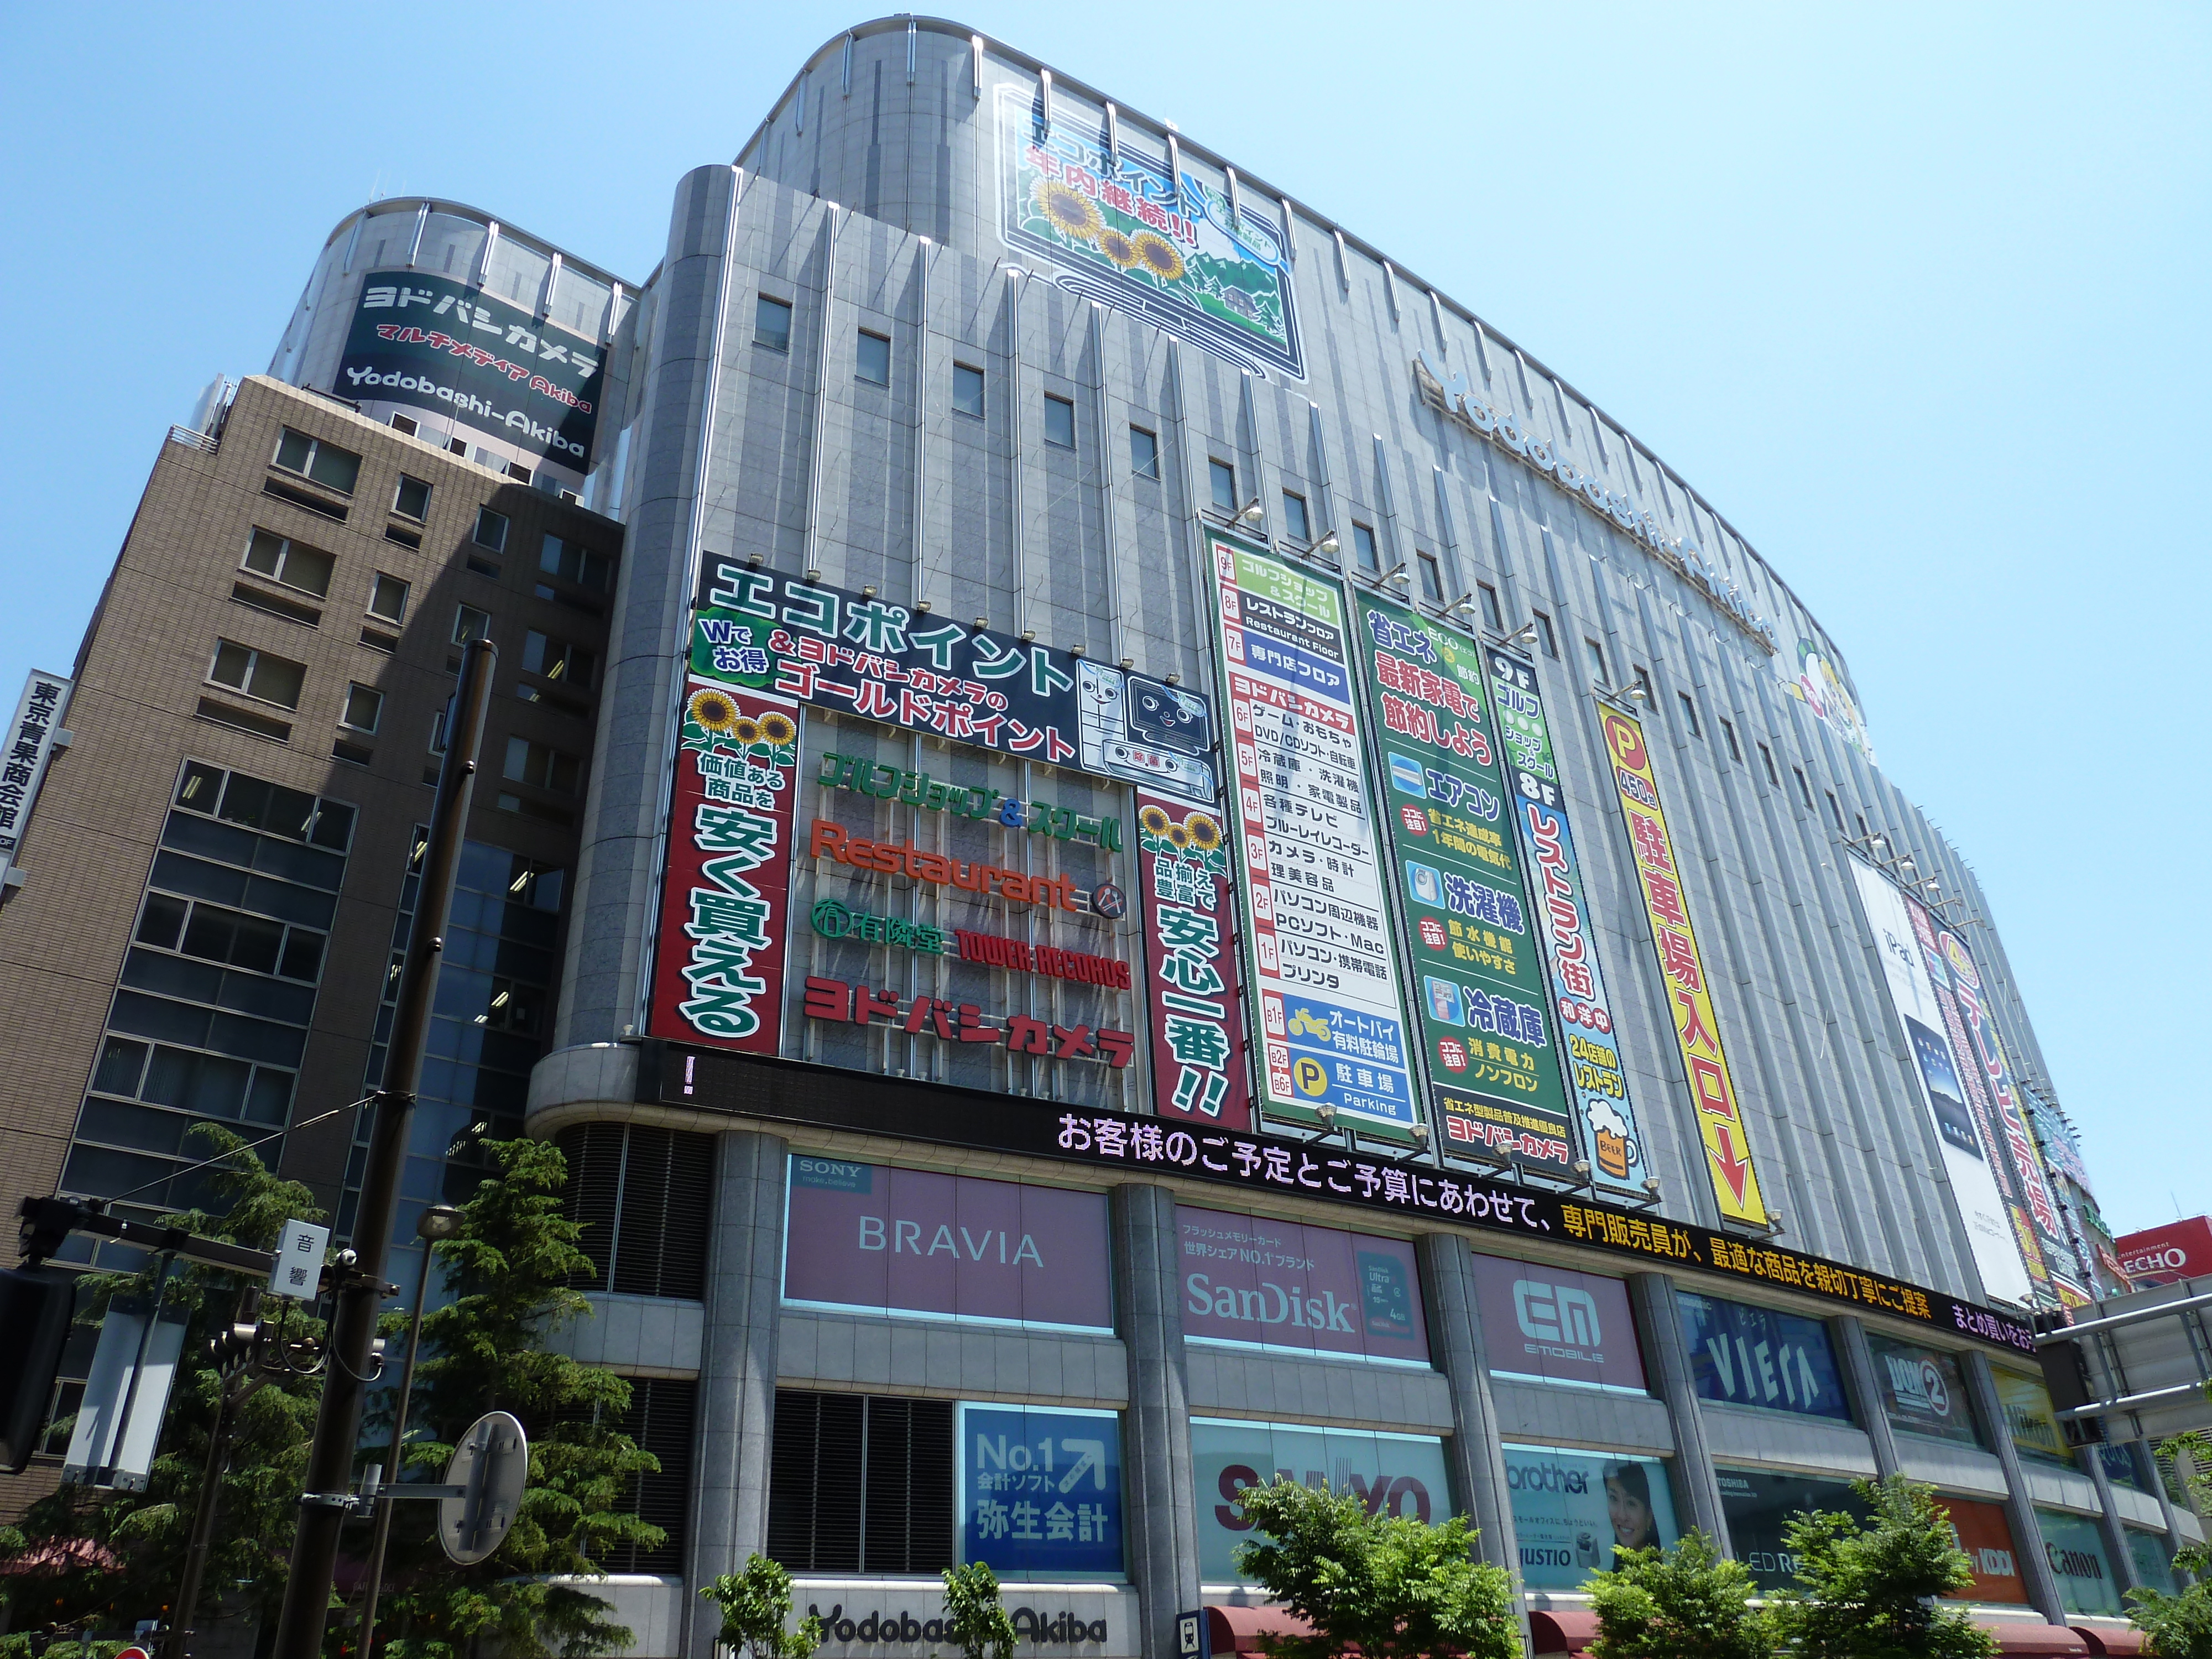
[(233, 1351), (327, 1499)]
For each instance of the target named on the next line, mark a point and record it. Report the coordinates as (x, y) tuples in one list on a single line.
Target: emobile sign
[(1545, 1322), (2161, 1256)]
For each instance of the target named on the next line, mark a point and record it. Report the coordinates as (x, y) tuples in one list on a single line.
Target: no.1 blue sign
[(1041, 1492)]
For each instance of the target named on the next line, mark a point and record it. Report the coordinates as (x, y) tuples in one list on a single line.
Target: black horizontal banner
[(789, 1091)]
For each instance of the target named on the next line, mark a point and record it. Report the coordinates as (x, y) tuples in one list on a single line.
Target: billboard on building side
[(1199, 1064), (1697, 1027), (1597, 1083), (1323, 975), (1262, 1283), (1122, 226), (1489, 1047), (1938, 1074), (434, 344), (28, 746)]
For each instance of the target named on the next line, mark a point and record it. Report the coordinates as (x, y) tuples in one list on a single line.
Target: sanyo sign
[(1560, 1321), (1451, 394)]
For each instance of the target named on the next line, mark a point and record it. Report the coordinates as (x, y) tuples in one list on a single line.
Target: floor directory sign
[(1324, 978), (1490, 1053)]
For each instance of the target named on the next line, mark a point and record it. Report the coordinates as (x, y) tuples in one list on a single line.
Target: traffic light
[(35, 1305)]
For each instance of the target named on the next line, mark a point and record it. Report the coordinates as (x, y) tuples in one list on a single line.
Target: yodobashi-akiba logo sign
[(431, 343), (1450, 393), (894, 1627)]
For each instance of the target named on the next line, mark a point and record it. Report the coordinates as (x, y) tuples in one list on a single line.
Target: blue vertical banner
[(1041, 1492)]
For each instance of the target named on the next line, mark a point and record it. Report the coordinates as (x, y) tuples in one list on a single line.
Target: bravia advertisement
[(1936, 1070), (1697, 1027), (1760, 1506), (1553, 1326), (1741, 1355), (1041, 1492), (1118, 225), (1573, 1510), (1313, 1289), (914, 1242), (1326, 981), (432, 342), (1490, 1053), (1393, 1475), (1597, 1082)]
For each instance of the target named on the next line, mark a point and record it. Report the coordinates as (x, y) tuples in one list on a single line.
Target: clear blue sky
[(1916, 295)]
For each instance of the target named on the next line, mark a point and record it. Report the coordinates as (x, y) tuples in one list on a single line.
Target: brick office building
[(1190, 866)]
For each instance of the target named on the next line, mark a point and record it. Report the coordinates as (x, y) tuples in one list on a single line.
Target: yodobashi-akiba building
[(1197, 870)]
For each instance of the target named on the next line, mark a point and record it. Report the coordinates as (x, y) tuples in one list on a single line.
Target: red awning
[(1567, 1630), (2026, 1635), (1238, 1630), (2110, 1639)]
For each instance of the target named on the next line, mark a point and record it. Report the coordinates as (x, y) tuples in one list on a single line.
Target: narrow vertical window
[(1432, 578), (1767, 756), (1494, 614), (1728, 731), (1690, 715), (967, 390), (772, 324), (1223, 477), (1364, 548), (1544, 632), (1059, 422), (871, 359), (1144, 452), (1596, 660), (1296, 524)]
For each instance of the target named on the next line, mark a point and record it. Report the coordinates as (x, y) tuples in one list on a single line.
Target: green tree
[(126, 1550), (975, 1620), (1689, 1603), (754, 1604), (1396, 1588), (1870, 1592), (2180, 1627), (510, 1269)]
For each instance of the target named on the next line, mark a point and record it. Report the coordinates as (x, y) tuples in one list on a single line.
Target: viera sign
[(1451, 395)]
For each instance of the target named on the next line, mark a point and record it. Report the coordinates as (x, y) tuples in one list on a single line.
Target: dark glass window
[(871, 359), (1144, 452), (772, 324), (1059, 422), (967, 390), (1222, 478), (860, 1483)]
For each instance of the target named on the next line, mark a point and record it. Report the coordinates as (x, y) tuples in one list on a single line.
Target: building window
[(1059, 422), (364, 707), (1690, 715), (859, 1483), (1144, 452), (556, 660), (491, 530), (1432, 577), (1835, 810), (541, 765), (412, 499), (470, 623), (1865, 834), (1596, 660), (312, 458), (1641, 681), (1767, 756), (661, 1414), (405, 425), (283, 560), (1223, 479), (631, 1187), (258, 673), (772, 324), (872, 358), (1804, 789), (388, 598), (1728, 732), (967, 390), (1364, 548), (1544, 633), (1296, 524), (579, 565), (1494, 614)]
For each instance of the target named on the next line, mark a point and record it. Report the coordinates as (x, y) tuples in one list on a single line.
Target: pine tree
[(1396, 1588), (1871, 1592), (1687, 1602), (511, 1268), (131, 1544)]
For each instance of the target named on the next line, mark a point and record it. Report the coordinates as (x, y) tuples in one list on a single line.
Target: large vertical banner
[(1199, 1064), (719, 973), (2035, 1214), (1596, 1080), (1697, 1029), (1942, 1090), (26, 748), (1491, 1059), (1323, 975)]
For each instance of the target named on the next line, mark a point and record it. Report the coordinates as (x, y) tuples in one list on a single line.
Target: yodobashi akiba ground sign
[(1324, 978), (1490, 1052)]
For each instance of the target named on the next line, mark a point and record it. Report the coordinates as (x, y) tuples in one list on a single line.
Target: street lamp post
[(439, 1221)]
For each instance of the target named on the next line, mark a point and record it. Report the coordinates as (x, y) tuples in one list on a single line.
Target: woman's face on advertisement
[(1630, 1515)]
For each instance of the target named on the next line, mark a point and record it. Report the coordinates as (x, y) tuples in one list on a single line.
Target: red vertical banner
[(1199, 1069), (718, 966)]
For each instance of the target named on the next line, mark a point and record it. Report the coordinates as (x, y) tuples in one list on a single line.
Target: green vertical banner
[(1493, 1061)]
